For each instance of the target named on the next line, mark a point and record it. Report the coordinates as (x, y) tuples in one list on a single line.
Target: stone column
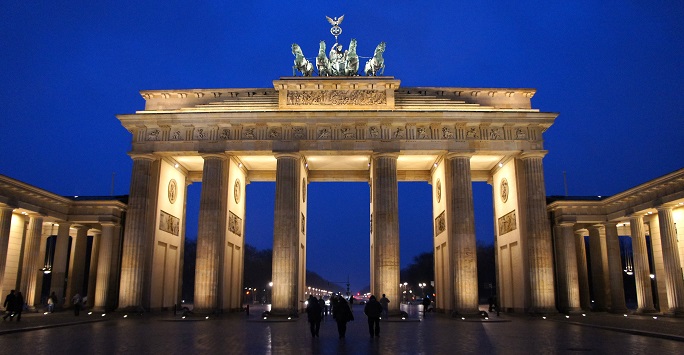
[(582, 273), (210, 235), (568, 284), (617, 290), (674, 282), (92, 272), (641, 268), (385, 196), (286, 235), (32, 275), (59, 264), (5, 223), (599, 269), (77, 264), (538, 238), (138, 233), (104, 280), (461, 219)]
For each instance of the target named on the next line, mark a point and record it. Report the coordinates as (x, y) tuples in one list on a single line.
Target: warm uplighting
[(45, 313), (90, 313), (652, 276), (207, 317), (567, 316), (103, 314), (125, 315), (501, 165), (544, 317), (654, 317), (175, 165)]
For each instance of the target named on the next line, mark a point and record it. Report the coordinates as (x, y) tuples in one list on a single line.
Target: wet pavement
[(62, 332)]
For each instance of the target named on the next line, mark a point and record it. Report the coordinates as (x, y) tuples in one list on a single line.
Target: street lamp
[(422, 286)]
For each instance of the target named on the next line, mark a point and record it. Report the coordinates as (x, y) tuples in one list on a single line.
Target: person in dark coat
[(342, 314), (324, 307), (9, 305), (313, 311), (18, 305), (373, 310), (426, 305)]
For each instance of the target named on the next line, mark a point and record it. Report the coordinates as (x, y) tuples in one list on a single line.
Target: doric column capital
[(221, 156), (386, 155), (460, 154), (533, 154), (663, 209), (142, 156), (293, 155)]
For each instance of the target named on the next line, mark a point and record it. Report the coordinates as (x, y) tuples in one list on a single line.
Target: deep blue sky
[(613, 69)]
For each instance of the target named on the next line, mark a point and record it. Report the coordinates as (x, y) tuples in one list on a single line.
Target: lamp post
[(270, 293), (422, 286)]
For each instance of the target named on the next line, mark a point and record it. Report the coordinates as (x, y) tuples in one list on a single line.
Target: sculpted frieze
[(235, 224), (336, 97), (507, 223), (440, 224)]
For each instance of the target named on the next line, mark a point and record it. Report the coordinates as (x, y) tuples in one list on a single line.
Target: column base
[(646, 311)]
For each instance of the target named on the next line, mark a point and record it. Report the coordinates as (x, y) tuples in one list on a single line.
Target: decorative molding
[(237, 191), (172, 191), (169, 223), (303, 224), (336, 97), (440, 224), (235, 224), (507, 223)]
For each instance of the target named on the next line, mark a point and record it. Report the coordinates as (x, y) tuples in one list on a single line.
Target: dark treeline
[(422, 270)]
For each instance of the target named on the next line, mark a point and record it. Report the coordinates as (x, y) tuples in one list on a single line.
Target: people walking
[(384, 302), (426, 305), (9, 305), (324, 307), (18, 305), (52, 301), (342, 314), (313, 311), (76, 301), (373, 311)]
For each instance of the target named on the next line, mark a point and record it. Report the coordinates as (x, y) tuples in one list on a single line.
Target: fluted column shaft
[(582, 271), (386, 228), (104, 268), (641, 268), (212, 222), (138, 233), (539, 250), (461, 221), (32, 280), (617, 290), (674, 282), (599, 269), (59, 264), (568, 284), (5, 223), (92, 272), (77, 263), (286, 235)]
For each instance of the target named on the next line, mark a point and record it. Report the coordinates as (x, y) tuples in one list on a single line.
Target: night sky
[(612, 69)]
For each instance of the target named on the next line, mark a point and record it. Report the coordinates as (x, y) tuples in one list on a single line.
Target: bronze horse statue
[(377, 63), (301, 64)]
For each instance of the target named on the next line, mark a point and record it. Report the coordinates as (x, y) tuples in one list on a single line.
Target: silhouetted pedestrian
[(76, 301), (384, 302), (426, 305), (342, 314), (373, 310), (9, 305), (313, 311), (18, 305), (324, 307)]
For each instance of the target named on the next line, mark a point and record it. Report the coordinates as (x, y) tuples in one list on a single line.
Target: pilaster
[(641, 268)]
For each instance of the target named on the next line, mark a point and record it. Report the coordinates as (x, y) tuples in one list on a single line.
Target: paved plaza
[(62, 333)]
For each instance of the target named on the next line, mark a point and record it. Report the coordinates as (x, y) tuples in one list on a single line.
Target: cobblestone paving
[(239, 334)]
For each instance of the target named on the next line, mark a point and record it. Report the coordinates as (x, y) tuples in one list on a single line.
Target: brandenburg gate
[(310, 129)]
